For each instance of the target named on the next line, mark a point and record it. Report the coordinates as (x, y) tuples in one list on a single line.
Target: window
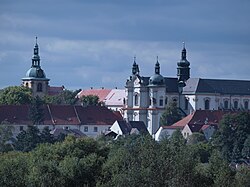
[(39, 87), (95, 129), (86, 129), (27, 84), (235, 104), (136, 100), (226, 104), (246, 105), (21, 128), (186, 104), (207, 103), (161, 102)]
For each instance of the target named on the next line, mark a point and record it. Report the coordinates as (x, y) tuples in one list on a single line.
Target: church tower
[(35, 77), (183, 69), (157, 94)]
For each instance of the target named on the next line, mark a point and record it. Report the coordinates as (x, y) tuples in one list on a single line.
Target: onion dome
[(157, 79)]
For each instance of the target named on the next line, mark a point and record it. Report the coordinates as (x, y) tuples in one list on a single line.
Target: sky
[(91, 43)]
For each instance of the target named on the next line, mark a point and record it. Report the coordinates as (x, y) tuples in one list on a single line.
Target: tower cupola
[(183, 69), (157, 79)]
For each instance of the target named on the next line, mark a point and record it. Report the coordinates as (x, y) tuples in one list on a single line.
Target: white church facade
[(147, 97)]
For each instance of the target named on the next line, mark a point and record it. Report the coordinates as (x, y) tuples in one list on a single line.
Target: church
[(147, 97)]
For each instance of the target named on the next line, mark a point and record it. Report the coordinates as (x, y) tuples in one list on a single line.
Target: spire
[(36, 58), (135, 68), (183, 69), (184, 52), (157, 66)]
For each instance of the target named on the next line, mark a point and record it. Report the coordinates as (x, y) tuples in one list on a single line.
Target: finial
[(157, 58), (36, 39), (183, 45), (134, 58)]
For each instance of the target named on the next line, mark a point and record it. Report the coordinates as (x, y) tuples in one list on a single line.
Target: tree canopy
[(15, 95), (170, 115)]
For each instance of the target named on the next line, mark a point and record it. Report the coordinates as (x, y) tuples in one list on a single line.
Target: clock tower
[(35, 77)]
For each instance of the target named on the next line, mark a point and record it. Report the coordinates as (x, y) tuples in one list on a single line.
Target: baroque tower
[(35, 77)]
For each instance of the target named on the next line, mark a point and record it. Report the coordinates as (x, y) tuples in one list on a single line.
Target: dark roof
[(127, 127), (60, 115), (228, 87), (199, 85), (64, 115), (139, 125), (75, 132), (99, 115)]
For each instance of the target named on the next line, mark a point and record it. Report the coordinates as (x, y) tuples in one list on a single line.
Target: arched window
[(136, 100), (235, 104), (226, 104), (27, 84), (207, 103), (39, 87), (161, 101), (246, 105)]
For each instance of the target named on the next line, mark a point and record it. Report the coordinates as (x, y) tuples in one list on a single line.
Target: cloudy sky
[(90, 43)]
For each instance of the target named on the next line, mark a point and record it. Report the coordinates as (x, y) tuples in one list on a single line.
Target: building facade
[(147, 97)]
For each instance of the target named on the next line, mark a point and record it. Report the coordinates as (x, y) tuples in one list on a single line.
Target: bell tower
[(35, 77), (183, 69)]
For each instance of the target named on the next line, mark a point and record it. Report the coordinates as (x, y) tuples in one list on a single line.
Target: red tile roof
[(64, 115), (100, 115), (101, 93), (61, 115)]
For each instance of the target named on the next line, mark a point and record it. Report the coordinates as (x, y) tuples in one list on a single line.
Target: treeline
[(17, 95), (135, 160)]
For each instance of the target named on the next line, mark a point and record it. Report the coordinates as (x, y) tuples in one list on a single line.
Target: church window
[(235, 104), (226, 104), (136, 100), (39, 87), (246, 105), (161, 102), (207, 103)]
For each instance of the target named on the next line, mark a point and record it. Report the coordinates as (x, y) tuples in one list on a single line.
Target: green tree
[(5, 136), (36, 111), (232, 134), (171, 115), (15, 95), (28, 140), (246, 148), (66, 97), (46, 136), (89, 100), (196, 138), (13, 169)]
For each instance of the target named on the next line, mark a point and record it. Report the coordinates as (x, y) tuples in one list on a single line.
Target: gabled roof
[(228, 87), (60, 115), (99, 115), (101, 93), (201, 119), (126, 128), (64, 115), (115, 97)]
